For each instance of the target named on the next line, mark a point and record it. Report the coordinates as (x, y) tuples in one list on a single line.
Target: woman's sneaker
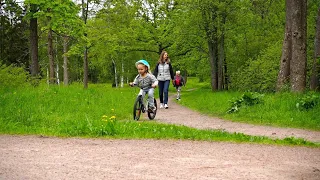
[(166, 106), (161, 105)]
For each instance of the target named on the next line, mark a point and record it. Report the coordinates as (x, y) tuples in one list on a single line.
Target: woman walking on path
[(164, 73)]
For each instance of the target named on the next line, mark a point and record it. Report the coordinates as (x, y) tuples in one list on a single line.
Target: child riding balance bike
[(146, 82)]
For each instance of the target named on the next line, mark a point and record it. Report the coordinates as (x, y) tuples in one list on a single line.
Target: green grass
[(99, 111), (276, 110)]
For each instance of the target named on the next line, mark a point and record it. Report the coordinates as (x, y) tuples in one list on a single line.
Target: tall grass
[(47, 106), (99, 111), (277, 109)]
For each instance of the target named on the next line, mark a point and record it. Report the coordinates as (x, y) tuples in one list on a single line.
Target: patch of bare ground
[(32, 157)]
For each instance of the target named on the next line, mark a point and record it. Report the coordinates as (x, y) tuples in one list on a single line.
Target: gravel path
[(177, 114), (31, 157), (34, 157)]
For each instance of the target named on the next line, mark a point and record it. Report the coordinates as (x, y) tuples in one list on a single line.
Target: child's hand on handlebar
[(131, 84), (153, 86)]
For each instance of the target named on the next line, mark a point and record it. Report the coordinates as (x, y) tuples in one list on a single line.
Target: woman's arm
[(155, 72), (171, 71)]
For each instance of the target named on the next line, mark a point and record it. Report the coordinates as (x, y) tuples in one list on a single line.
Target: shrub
[(247, 99), (260, 74), (308, 102), (12, 76)]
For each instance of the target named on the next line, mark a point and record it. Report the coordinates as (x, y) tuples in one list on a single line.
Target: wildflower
[(112, 117), (104, 118)]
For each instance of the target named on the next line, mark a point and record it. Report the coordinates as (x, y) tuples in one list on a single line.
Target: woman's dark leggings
[(163, 89)]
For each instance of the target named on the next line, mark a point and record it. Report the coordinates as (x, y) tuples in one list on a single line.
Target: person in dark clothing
[(178, 82)]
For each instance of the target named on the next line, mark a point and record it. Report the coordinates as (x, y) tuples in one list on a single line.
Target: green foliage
[(13, 37), (247, 99), (12, 77), (259, 75), (308, 101), (89, 127), (125, 31)]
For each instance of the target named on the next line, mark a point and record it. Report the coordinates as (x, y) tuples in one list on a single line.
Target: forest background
[(234, 45)]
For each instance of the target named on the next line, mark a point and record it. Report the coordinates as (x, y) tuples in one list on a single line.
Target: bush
[(259, 75), (12, 77), (247, 99), (308, 102)]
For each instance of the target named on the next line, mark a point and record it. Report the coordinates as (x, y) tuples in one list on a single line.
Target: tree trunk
[(85, 8), (34, 69), (57, 72), (185, 76), (51, 57), (226, 76), (65, 61), (115, 84), (294, 58), (298, 63), (122, 74), (1, 40), (213, 64), (209, 15), (284, 72), (314, 80), (85, 68), (220, 63), (57, 62), (221, 54)]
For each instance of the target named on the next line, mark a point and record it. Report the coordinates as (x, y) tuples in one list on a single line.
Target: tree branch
[(143, 50)]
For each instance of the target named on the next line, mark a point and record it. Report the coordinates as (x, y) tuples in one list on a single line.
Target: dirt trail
[(31, 157), (176, 114), (34, 157)]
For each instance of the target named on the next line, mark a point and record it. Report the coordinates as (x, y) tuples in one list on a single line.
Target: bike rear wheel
[(152, 114), (137, 108)]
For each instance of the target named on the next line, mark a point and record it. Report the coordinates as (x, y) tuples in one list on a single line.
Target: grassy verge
[(276, 109), (100, 111)]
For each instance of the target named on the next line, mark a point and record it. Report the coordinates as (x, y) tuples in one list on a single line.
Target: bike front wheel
[(137, 108)]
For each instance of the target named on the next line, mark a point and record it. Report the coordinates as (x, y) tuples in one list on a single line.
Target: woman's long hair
[(161, 59)]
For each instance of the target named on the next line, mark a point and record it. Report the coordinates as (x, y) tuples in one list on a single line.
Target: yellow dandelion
[(104, 116), (112, 117)]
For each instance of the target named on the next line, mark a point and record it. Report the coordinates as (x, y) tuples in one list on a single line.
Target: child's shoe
[(161, 105), (152, 109)]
